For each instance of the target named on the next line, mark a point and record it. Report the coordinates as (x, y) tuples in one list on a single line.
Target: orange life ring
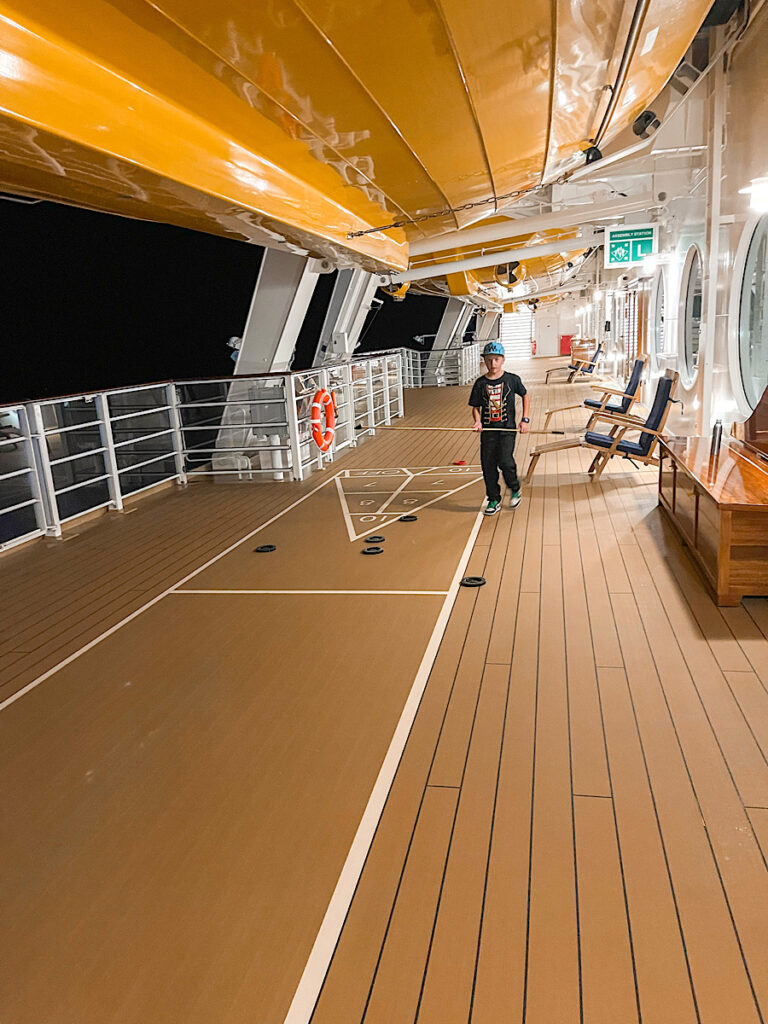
[(323, 400)]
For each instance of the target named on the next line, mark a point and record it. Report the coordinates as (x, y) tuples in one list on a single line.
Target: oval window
[(753, 316), (692, 312)]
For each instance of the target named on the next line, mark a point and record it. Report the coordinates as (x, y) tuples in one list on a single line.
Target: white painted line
[(308, 990), (427, 593), (139, 611), (395, 493), (345, 510)]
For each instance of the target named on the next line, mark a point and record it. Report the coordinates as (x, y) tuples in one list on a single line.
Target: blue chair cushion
[(605, 441), (595, 403)]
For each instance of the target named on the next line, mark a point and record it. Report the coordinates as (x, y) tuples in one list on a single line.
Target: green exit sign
[(628, 246)]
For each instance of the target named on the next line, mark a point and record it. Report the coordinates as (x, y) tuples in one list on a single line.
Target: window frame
[(689, 375), (750, 230), (659, 287)]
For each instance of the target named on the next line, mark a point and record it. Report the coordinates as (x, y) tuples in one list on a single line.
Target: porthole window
[(693, 286), (753, 316), (659, 336)]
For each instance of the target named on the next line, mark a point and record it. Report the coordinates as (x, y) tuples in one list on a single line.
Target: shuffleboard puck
[(473, 581)]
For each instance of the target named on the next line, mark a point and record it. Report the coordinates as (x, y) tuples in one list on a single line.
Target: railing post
[(292, 416), (43, 462), (329, 454), (32, 461), (369, 393), (387, 393), (110, 459), (172, 401), (349, 398), (400, 399)]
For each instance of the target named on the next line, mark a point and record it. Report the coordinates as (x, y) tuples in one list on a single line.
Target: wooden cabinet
[(719, 505)]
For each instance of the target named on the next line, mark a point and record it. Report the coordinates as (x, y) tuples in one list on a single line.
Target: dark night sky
[(92, 301)]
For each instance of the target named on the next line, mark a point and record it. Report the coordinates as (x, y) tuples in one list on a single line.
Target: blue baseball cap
[(494, 348)]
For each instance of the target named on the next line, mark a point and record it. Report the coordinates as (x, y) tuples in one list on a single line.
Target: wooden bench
[(719, 506)]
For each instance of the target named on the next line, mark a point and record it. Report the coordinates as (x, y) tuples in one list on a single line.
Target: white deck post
[(172, 400), (43, 462), (292, 416), (29, 452), (369, 389), (110, 458)]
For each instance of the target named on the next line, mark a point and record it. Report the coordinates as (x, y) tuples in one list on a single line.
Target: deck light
[(757, 190)]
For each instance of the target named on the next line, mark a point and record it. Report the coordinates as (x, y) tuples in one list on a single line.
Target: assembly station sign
[(628, 245)]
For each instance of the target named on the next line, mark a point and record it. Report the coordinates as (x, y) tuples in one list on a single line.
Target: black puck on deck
[(407, 519), (375, 539), (373, 551), (263, 548), (473, 581)]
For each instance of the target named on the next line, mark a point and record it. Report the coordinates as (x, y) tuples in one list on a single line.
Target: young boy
[(493, 409)]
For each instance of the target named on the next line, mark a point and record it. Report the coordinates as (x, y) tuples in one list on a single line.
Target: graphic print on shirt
[(495, 402)]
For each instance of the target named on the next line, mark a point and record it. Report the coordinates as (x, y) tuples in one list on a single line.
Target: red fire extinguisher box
[(566, 341)]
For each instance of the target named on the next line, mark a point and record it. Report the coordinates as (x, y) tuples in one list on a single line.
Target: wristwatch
[(525, 420)]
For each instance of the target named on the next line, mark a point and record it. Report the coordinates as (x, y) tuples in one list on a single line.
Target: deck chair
[(622, 400), (606, 446), (578, 367)]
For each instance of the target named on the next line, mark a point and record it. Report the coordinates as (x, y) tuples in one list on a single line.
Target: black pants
[(497, 452)]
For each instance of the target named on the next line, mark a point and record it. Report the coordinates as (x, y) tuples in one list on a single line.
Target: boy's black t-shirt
[(496, 398)]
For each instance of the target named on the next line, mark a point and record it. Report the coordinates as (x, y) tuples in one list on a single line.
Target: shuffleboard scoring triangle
[(375, 498)]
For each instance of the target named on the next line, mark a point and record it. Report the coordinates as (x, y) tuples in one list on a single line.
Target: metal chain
[(445, 212)]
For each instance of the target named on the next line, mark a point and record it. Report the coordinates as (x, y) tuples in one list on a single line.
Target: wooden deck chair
[(615, 443), (622, 400), (578, 367)]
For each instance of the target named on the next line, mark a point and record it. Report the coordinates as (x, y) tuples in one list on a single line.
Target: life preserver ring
[(323, 400)]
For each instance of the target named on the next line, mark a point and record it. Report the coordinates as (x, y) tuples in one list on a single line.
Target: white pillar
[(350, 303), (487, 323), (283, 289), (450, 334)]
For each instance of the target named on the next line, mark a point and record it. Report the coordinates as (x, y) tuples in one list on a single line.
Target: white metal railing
[(61, 458), (441, 367)]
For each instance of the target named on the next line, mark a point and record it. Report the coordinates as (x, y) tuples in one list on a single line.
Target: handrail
[(219, 432)]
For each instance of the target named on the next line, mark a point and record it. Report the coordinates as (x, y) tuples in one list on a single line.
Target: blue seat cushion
[(605, 441), (595, 403)]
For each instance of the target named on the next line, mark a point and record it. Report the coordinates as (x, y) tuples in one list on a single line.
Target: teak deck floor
[(577, 830)]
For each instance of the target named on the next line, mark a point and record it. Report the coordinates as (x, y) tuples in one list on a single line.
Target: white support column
[(283, 289), (350, 303), (172, 399), (297, 471), (29, 453), (714, 325), (43, 461), (488, 320), (110, 458), (449, 335)]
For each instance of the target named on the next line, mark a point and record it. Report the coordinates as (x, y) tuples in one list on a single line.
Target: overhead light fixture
[(757, 190)]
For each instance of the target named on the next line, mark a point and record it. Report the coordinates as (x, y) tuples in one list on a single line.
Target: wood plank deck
[(578, 827)]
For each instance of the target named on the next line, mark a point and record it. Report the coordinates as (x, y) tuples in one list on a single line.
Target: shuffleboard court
[(184, 794)]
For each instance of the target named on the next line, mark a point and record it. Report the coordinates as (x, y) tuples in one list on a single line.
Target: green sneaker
[(514, 499), (491, 508)]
